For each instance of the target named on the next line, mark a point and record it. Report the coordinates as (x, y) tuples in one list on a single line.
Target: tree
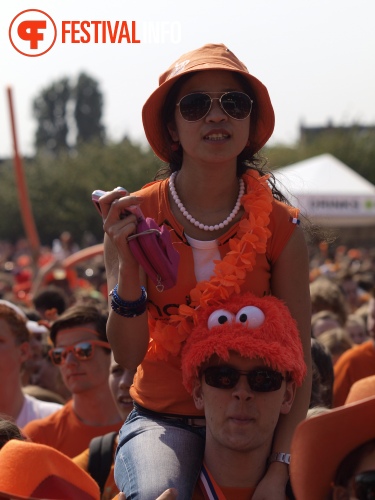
[(68, 114), (88, 109), (50, 108)]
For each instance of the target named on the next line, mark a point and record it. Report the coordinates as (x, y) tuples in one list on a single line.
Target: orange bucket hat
[(255, 328), (362, 389), (208, 57), (321, 443), (31, 470)]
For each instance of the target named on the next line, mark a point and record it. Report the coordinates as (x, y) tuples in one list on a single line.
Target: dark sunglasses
[(259, 380), (364, 485), (82, 351), (194, 107)]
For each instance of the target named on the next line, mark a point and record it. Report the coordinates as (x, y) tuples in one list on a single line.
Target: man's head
[(242, 363), (242, 399), (50, 302), (81, 349), (14, 342), (371, 318), (120, 380)]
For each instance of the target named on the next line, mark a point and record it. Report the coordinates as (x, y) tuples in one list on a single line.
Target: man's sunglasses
[(364, 485), (259, 379), (82, 351), (194, 107)]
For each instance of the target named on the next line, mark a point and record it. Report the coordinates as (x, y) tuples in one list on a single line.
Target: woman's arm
[(128, 337), (290, 282)]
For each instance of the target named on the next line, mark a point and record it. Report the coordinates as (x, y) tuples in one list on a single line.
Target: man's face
[(83, 375), (12, 355), (241, 419), (120, 380)]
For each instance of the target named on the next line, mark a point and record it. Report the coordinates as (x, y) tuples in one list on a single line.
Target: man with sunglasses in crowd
[(242, 363), (82, 353)]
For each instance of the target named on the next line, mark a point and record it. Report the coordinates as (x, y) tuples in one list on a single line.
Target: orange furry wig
[(250, 326)]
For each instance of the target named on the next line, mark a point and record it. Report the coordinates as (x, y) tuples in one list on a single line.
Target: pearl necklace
[(196, 223)]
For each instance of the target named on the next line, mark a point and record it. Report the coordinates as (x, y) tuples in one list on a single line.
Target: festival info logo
[(32, 32)]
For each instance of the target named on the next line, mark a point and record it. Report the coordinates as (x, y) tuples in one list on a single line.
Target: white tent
[(328, 192)]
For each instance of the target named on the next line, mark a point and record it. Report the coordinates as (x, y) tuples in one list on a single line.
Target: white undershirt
[(204, 253)]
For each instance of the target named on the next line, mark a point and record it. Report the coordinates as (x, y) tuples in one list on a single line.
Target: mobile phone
[(134, 209), (95, 198)]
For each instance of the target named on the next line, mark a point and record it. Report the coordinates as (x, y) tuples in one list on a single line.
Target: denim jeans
[(155, 454)]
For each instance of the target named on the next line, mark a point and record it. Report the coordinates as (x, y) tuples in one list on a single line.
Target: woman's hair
[(322, 361), (9, 430), (326, 295), (245, 159), (357, 320), (336, 340), (348, 465)]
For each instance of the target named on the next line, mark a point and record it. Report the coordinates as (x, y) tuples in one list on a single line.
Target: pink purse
[(152, 247)]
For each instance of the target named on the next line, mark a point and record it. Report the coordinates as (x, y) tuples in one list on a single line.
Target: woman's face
[(216, 138), (367, 463)]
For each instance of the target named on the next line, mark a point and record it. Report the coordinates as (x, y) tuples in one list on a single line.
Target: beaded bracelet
[(128, 309)]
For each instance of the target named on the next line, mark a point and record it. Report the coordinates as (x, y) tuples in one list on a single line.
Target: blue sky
[(317, 59)]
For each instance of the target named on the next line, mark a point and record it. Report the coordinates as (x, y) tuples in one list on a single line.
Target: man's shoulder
[(356, 354), (50, 421)]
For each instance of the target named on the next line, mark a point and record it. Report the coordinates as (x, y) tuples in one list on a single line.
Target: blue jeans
[(155, 453)]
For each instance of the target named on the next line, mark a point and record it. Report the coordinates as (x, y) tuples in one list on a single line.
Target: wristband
[(280, 457), (126, 308)]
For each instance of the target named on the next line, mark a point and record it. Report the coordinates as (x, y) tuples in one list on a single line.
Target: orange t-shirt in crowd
[(64, 431), (110, 488), (158, 383), (354, 364), (228, 493)]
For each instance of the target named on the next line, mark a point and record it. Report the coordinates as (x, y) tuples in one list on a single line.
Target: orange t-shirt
[(64, 431), (354, 364), (158, 383), (229, 493)]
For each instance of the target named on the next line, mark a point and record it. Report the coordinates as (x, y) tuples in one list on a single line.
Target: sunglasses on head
[(259, 379), (82, 350), (194, 107), (364, 485)]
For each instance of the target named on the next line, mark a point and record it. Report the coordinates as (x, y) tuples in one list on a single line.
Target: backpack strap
[(101, 458)]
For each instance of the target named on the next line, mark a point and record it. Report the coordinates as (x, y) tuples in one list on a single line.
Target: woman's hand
[(170, 494), (119, 222)]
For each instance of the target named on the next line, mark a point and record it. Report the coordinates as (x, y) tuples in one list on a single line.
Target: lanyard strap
[(209, 487)]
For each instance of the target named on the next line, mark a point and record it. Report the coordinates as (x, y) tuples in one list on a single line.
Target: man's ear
[(197, 395), (289, 395), (25, 350)]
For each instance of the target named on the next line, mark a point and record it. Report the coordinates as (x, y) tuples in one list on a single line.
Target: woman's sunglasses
[(82, 351), (364, 485), (194, 107), (259, 380)]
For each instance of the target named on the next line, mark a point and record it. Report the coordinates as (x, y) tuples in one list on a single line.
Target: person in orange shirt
[(333, 454), (82, 353), (242, 363), (356, 363), (233, 230)]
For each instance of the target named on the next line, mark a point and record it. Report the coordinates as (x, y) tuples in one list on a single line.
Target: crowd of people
[(249, 374)]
